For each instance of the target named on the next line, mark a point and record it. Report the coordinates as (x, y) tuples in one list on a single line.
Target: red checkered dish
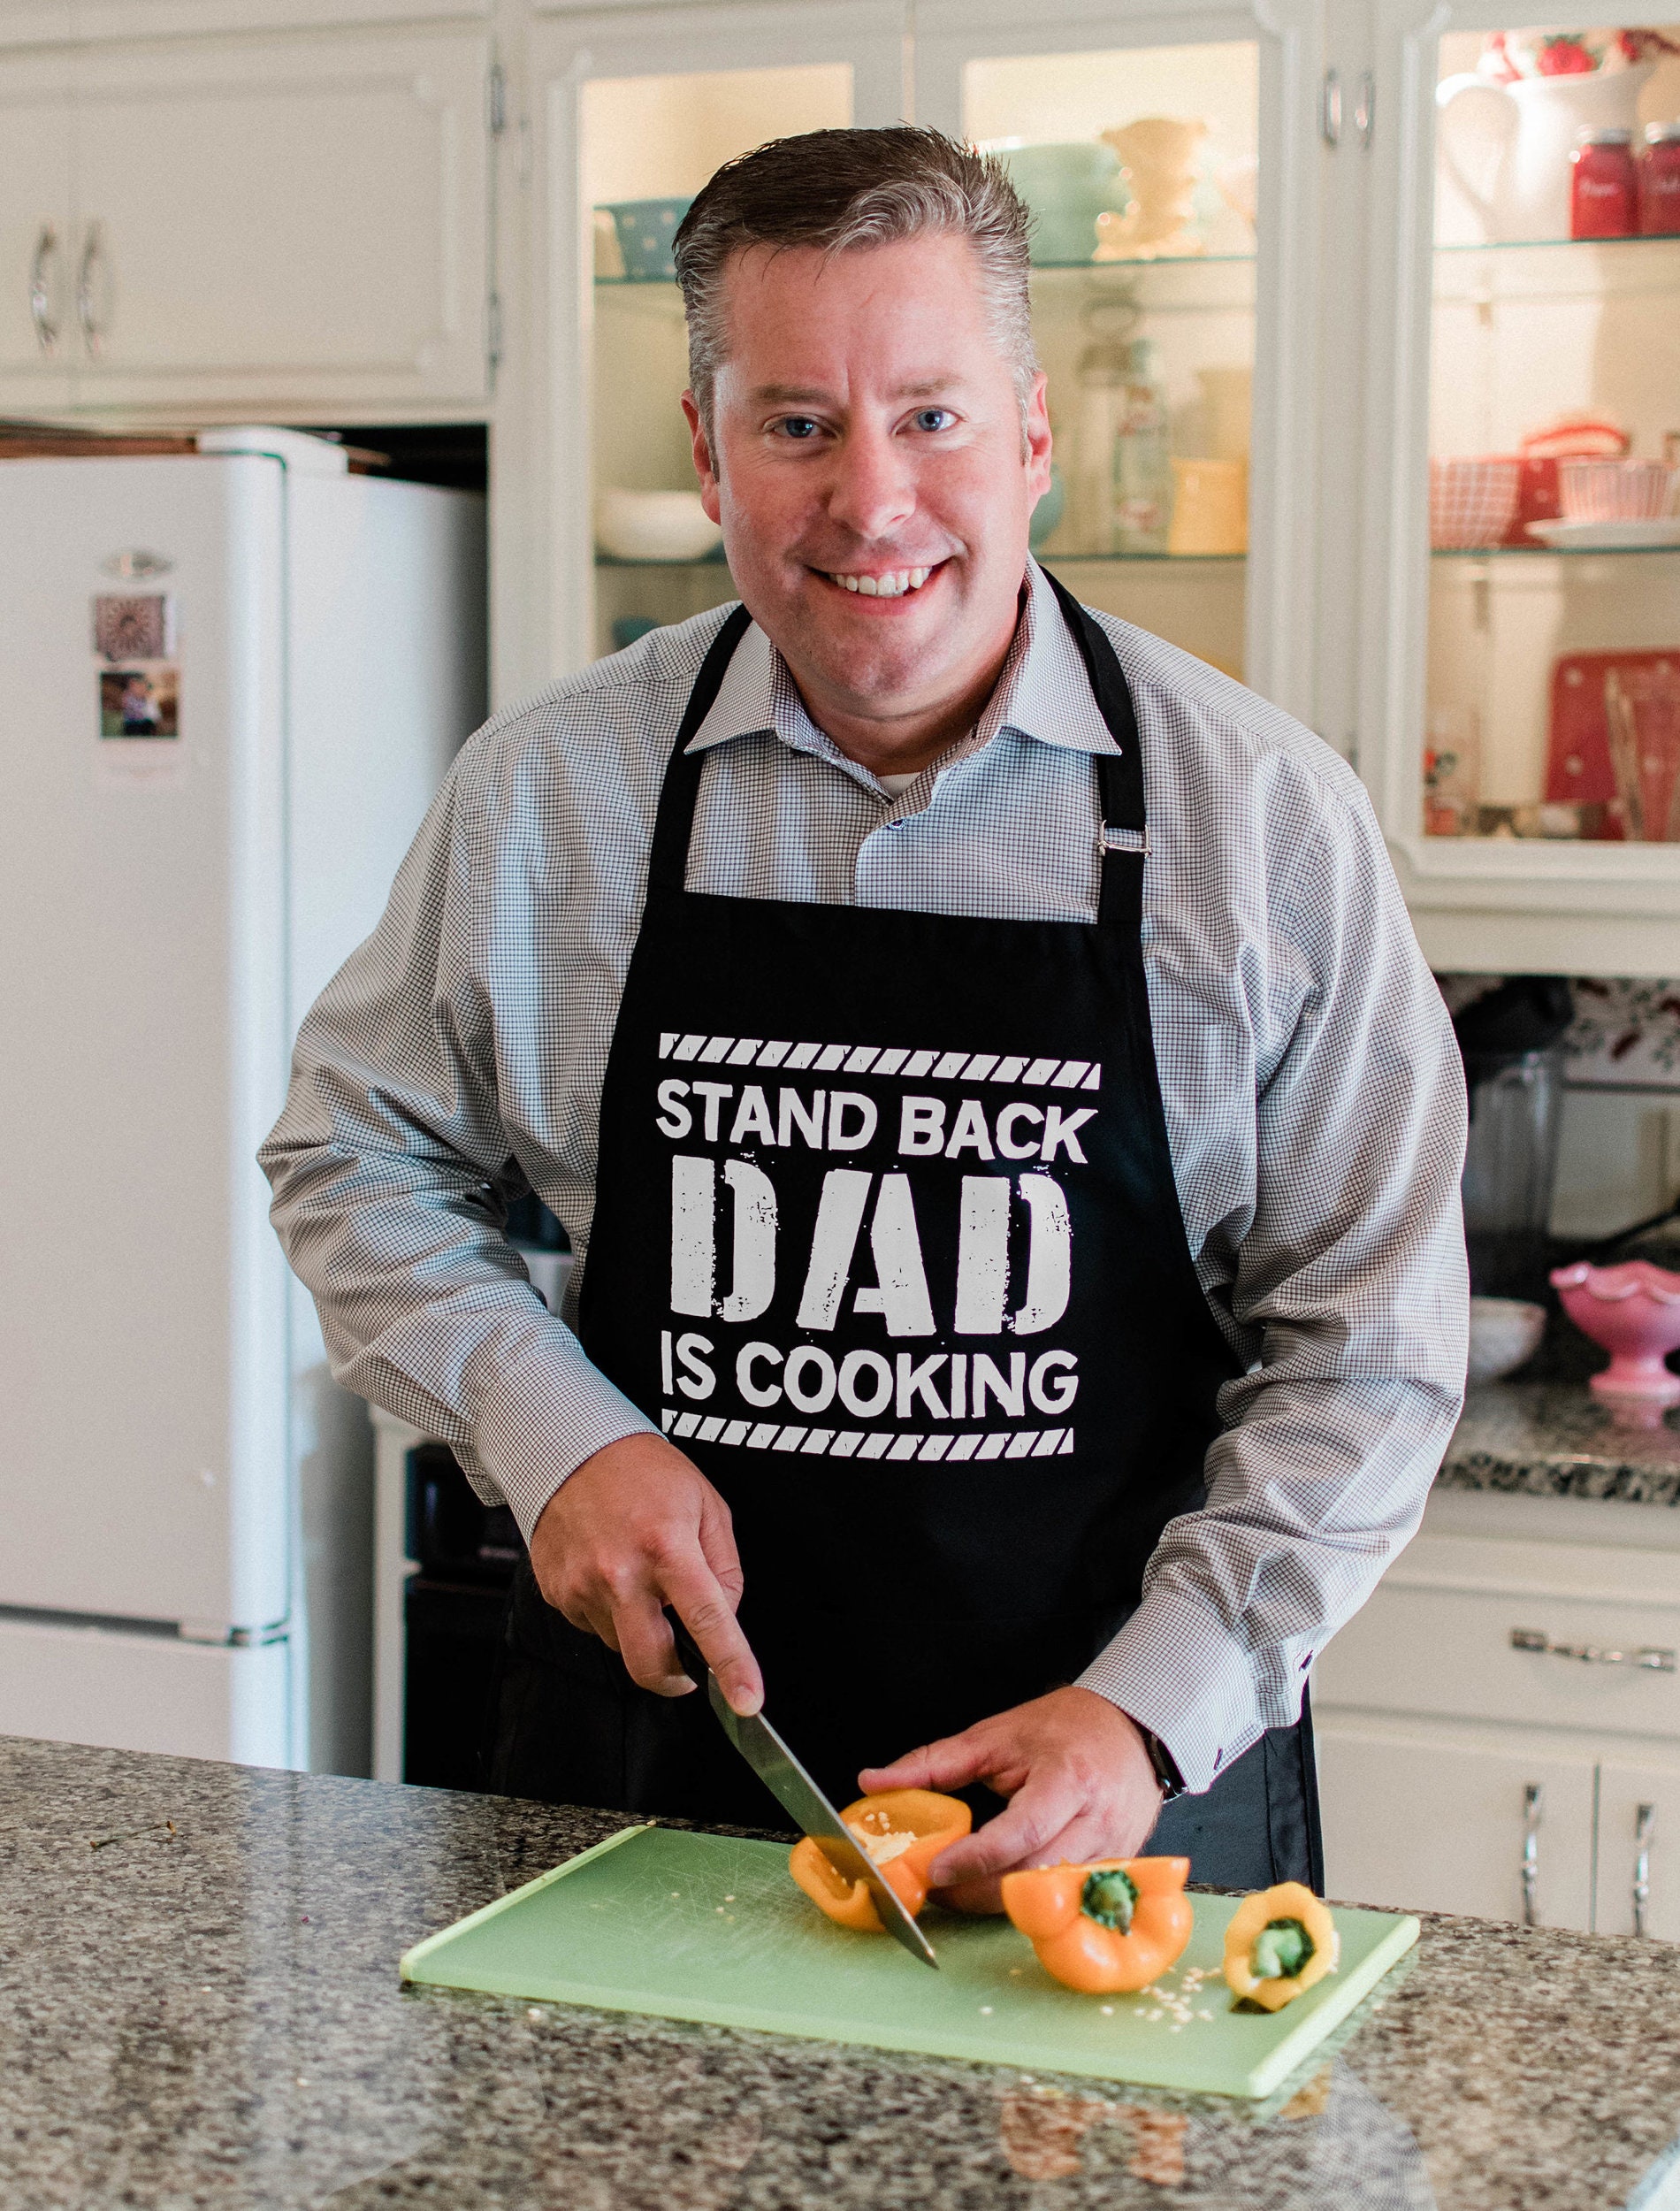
[(1472, 503)]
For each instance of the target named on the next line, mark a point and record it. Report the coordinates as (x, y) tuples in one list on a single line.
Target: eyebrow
[(812, 395)]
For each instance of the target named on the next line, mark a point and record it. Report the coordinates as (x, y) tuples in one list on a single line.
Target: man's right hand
[(638, 1528)]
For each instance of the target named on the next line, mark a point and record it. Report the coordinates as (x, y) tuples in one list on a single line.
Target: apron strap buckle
[(1125, 841)]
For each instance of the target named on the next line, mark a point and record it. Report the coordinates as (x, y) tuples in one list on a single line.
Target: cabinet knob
[(1649, 1658), (40, 288)]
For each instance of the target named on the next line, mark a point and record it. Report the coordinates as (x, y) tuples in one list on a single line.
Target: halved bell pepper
[(934, 1822), (1280, 1941), (1112, 1926)]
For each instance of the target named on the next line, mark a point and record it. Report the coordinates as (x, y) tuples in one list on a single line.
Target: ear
[(1036, 432), (705, 466)]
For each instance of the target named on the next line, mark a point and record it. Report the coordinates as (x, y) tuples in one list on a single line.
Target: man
[(983, 1064)]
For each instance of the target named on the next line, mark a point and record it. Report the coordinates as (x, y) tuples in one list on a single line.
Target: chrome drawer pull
[(1644, 1830), (1531, 1854), (1648, 1658)]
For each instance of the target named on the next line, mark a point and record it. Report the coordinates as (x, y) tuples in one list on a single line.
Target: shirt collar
[(1044, 692)]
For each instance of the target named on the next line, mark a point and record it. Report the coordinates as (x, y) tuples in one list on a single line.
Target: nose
[(871, 492)]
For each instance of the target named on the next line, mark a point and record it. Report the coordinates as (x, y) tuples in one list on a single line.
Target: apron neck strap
[(1119, 776), (668, 864), (1126, 839)]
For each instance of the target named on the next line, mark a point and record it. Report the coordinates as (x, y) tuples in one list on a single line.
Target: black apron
[(886, 1238)]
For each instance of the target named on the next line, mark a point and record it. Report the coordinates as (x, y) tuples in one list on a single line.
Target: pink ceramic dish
[(1615, 490), (1634, 1312)]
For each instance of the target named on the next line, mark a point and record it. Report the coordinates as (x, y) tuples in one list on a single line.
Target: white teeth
[(890, 586)]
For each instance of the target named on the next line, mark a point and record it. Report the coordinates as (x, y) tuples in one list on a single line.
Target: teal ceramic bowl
[(1068, 188), (646, 229)]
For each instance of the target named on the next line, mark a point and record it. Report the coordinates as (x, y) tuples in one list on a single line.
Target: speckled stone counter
[(1551, 1439), (199, 2005)]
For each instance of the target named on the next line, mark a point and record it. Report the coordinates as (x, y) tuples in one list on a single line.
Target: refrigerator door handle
[(40, 288), (93, 259)]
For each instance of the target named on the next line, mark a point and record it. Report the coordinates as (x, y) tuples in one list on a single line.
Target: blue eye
[(934, 418), (798, 426)]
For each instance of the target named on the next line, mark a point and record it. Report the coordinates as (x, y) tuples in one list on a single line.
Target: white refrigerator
[(230, 683)]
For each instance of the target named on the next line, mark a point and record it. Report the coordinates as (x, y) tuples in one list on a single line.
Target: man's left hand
[(1078, 1778)]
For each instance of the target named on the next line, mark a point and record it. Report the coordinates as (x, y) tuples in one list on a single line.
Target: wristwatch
[(1166, 1771)]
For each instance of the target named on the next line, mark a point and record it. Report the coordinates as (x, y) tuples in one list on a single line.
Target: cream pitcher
[(1507, 146)]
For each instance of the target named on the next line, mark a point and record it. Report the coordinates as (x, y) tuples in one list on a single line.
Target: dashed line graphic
[(899, 1444), (937, 1067)]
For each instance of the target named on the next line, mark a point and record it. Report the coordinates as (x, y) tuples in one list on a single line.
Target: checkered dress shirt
[(1312, 1089)]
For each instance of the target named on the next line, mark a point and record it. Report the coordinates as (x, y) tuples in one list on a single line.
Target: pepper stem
[(1110, 1898), (1281, 1950)]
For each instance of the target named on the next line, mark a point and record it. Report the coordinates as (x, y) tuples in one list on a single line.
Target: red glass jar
[(1658, 173), (1603, 188)]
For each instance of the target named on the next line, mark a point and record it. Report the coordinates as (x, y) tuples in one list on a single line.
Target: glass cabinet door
[(1164, 310), (637, 122), (1525, 565)]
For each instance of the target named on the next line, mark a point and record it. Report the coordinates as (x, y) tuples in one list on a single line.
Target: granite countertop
[(1550, 1438), (200, 2007)]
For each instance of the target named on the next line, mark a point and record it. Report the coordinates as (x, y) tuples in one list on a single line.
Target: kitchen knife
[(799, 1795)]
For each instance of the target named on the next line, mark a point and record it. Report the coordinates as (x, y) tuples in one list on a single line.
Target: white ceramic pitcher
[(1507, 147)]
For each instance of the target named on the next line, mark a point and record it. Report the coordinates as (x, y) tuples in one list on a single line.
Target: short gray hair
[(836, 189)]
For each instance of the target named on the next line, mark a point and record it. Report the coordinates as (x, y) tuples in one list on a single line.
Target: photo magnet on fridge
[(140, 702), (134, 626)]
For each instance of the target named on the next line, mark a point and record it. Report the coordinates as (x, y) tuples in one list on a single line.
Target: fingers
[(1021, 1835), (635, 1528), (706, 1612), (950, 1763)]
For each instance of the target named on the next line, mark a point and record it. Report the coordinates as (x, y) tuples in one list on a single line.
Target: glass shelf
[(1556, 245), (1050, 268), (1051, 555), (1152, 260), (1553, 552), (706, 560), (1055, 556)]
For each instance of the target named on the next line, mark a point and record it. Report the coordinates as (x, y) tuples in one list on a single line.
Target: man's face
[(867, 434)]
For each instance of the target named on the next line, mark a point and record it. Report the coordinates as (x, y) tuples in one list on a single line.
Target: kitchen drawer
[(1451, 1652)]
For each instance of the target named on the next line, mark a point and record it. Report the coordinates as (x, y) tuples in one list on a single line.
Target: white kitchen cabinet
[(1500, 789), (1435, 1821), (1233, 323), (268, 225), (644, 109), (1638, 1883), (1520, 1644), (36, 235)]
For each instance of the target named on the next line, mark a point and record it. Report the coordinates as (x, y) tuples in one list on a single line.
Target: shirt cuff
[(543, 1418), (1177, 1670)]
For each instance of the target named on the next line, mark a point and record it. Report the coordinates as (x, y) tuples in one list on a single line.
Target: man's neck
[(898, 744)]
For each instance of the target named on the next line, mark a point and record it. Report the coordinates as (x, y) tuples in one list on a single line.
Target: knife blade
[(799, 1795)]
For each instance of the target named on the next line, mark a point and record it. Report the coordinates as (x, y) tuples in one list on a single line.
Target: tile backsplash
[(1619, 1154)]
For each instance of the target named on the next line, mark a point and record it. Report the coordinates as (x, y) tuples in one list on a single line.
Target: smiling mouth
[(896, 583)]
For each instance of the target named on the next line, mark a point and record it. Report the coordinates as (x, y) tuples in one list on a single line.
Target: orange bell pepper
[(1280, 1941), (935, 1821), (1112, 1926)]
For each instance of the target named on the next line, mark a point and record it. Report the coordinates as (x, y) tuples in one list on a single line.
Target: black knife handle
[(688, 1651)]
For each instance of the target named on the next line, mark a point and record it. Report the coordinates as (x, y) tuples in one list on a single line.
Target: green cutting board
[(693, 1926)]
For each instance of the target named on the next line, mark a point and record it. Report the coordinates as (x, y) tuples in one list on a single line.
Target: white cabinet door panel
[(302, 221), (1624, 1790), (34, 236), (1427, 1822), (1449, 1651)]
